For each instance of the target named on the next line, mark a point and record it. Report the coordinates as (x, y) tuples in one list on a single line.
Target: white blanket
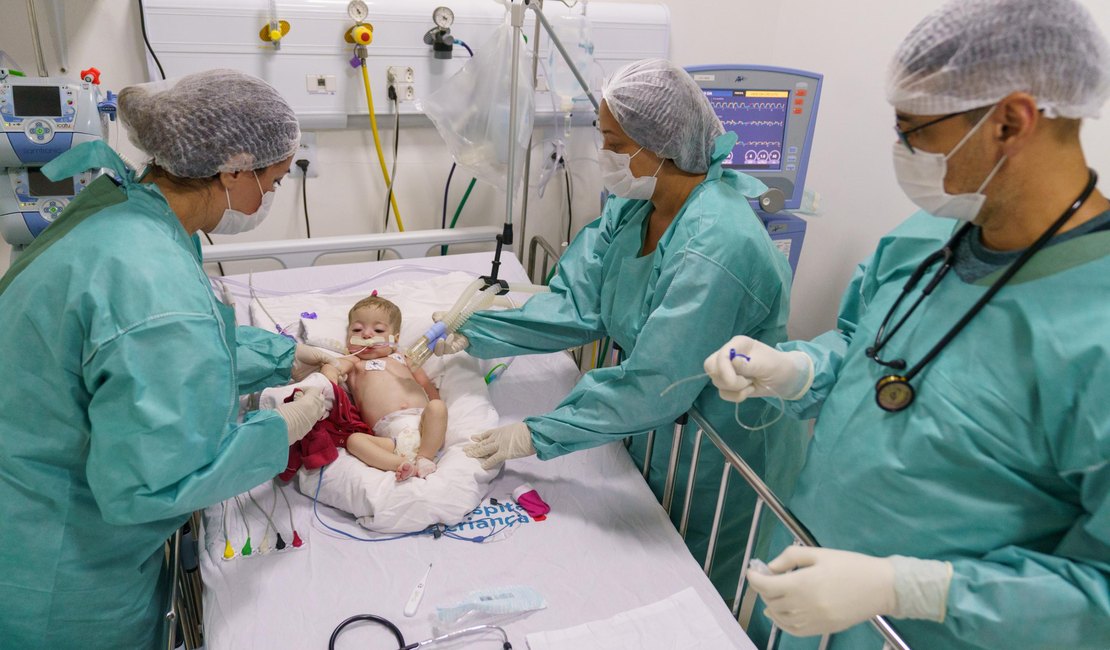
[(681, 622), (374, 497)]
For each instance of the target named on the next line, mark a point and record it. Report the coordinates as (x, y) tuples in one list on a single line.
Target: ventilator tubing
[(472, 299)]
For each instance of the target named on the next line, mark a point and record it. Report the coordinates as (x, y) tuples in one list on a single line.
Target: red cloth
[(321, 445)]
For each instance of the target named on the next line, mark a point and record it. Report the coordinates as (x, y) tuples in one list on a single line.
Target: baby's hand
[(332, 373)]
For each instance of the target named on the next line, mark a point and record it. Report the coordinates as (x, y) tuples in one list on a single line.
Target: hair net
[(660, 107), (210, 122), (972, 53)]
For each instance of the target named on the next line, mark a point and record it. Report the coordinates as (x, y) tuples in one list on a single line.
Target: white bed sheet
[(607, 546)]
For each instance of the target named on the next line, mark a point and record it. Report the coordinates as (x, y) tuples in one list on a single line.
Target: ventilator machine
[(773, 112)]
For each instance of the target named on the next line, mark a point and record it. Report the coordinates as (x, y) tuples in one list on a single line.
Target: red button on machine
[(797, 111), (801, 92), (799, 102)]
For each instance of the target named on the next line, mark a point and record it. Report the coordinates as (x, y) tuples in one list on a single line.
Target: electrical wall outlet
[(402, 80), (405, 92), (307, 151), (401, 74)]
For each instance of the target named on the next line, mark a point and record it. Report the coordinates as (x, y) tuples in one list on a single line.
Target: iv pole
[(516, 15)]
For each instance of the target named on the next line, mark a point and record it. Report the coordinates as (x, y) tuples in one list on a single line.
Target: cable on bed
[(262, 548), (297, 543), (387, 624), (247, 546), (254, 296)]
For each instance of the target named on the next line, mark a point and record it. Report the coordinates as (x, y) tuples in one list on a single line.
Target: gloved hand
[(306, 409), (453, 343), (307, 360), (766, 372), (496, 446), (822, 591)]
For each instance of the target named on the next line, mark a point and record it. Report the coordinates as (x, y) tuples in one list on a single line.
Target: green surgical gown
[(1000, 465), (121, 379), (714, 274)]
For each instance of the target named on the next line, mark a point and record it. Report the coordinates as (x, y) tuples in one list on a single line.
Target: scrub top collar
[(97, 155)]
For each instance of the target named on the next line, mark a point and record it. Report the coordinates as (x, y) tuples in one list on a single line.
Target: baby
[(399, 403)]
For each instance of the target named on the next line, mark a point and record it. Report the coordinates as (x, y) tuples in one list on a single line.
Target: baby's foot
[(406, 471), (424, 467)]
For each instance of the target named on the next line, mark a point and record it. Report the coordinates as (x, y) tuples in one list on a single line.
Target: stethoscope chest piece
[(894, 393)]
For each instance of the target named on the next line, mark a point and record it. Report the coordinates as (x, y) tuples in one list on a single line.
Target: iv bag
[(573, 30), (471, 110)]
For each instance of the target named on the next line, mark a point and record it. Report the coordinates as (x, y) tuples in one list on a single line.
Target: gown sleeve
[(566, 317), (262, 359), (829, 350), (613, 402), (164, 439)]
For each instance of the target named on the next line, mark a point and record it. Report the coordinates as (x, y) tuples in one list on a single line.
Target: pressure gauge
[(443, 17), (358, 10)]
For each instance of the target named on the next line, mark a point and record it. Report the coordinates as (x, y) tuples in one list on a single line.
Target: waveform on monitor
[(760, 143), (749, 106), (728, 123)]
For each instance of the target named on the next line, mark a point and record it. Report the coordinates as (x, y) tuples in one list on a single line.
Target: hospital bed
[(606, 548)]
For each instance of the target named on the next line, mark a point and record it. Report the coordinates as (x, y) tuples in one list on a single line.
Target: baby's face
[(367, 323)]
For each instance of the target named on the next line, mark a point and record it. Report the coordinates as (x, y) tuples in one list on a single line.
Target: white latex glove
[(823, 591), (496, 446), (453, 343), (306, 409), (766, 372), (307, 360)]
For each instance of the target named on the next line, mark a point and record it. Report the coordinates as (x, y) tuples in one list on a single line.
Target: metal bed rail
[(765, 497), (183, 624), (550, 255), (296, 253)]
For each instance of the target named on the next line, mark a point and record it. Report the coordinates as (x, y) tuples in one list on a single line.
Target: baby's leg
[(433, 430), (378, 453)]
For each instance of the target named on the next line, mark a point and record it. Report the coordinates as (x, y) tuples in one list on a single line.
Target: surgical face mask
[(617, 177), (921, 176), (234, 222)]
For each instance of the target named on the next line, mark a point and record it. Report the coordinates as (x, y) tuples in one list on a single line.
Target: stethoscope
[(894, 392), (401, 645)]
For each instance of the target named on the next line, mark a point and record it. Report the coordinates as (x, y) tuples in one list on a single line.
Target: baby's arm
[(339, 371), (425, 382)]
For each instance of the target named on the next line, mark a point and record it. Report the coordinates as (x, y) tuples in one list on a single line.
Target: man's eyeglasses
[(904, 136)]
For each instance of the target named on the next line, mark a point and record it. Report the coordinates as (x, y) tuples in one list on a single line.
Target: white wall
[(850, 43)]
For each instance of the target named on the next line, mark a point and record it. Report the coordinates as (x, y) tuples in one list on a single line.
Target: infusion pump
[(40, 119)]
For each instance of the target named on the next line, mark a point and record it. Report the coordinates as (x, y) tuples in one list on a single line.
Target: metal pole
[(801, 534), (39, 59), (528, 154), (731, 457), (690, 484), (647, 454), (672, 464), (747, 556), (566, 57), (717, 520), (517, 14)]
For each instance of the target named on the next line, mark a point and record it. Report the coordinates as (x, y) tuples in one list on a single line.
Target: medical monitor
[(772, 111), (36, 101)]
